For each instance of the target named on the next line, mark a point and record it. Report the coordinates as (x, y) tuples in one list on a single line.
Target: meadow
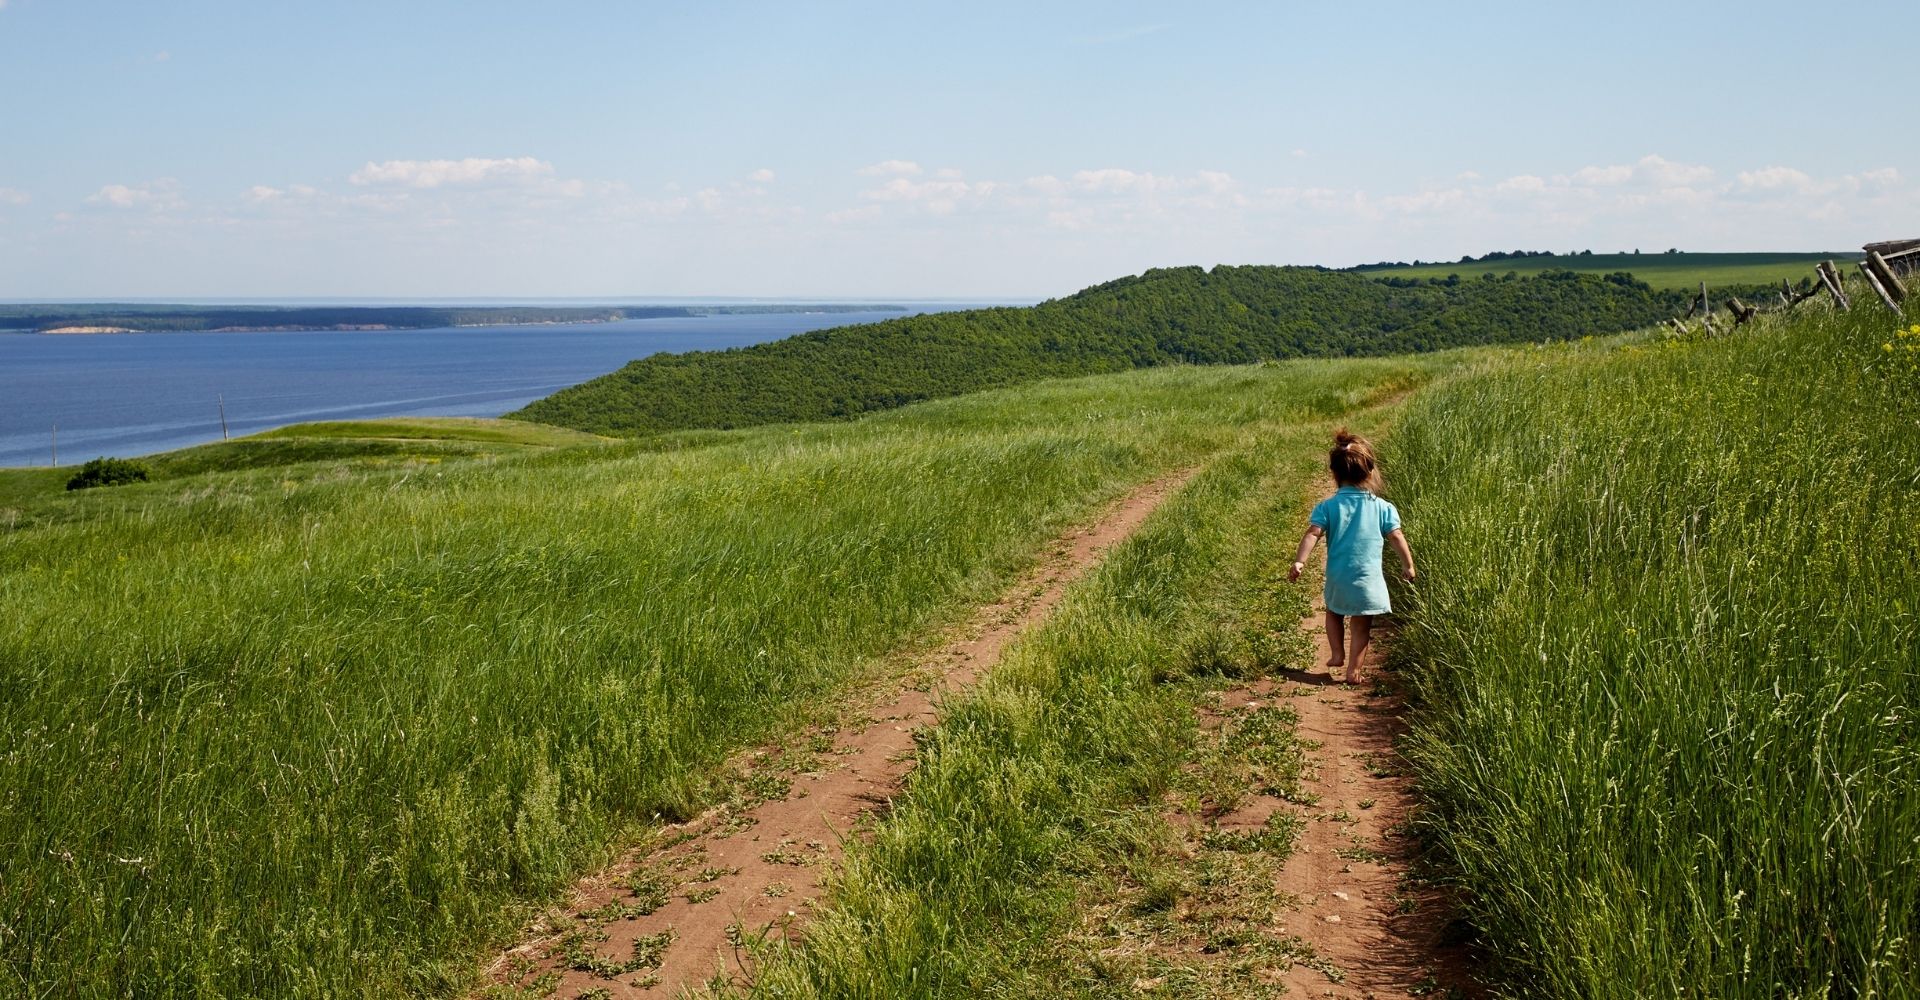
[(1043, 793), (1665, 638), (328, 715), (1682, 271)]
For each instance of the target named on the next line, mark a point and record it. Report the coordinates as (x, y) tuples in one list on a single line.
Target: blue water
[(133, 394)]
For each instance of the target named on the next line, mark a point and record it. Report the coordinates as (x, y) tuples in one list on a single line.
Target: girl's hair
[(1351, 461)]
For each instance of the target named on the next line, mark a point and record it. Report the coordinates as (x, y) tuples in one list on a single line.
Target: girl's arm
[(1313, 534), (1399, 540)]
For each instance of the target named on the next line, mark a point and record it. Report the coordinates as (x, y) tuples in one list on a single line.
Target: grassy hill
[(1684, 271), (319, 729), (311, 448), (1230, 315), (1666, 643), (296, 721)]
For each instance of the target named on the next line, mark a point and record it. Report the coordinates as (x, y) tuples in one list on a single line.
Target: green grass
[(1665, 638), (1037, 800), (322, 729), (1682, 270), (476, 429), (308, 449)]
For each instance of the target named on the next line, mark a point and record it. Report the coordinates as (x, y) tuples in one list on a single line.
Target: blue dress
[(1357, 524)]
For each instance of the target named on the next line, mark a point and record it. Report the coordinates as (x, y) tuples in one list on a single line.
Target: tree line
[(1183, 315)]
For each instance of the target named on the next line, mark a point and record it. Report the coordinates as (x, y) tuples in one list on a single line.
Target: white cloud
[(1521, 184), (761, 176), (891, 168), (1602, 176), (435, 173), (938, 196), (1771, 178), (13, 196), (1299, 154), (1216, 182), (160, 195)]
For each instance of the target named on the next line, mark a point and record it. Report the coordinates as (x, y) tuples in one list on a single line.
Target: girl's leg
[(1336, 640), (1357, 647)]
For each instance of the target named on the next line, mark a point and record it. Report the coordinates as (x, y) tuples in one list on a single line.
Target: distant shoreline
[(119, 318)]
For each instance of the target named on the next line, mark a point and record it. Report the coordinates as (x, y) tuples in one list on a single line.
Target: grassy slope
[(1666, 640), (1047, 780), (1188, 315), (309, 736), (1682, 271), (303, 448)]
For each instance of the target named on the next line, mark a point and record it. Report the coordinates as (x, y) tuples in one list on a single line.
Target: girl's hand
[(1294, 573), (1407, 573)]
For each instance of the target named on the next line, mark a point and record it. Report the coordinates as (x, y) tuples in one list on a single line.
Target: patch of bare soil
[(674, 913), (1376, 930)]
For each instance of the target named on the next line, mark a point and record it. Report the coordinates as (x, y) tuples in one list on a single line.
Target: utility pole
[(56, 445), (222, 397)]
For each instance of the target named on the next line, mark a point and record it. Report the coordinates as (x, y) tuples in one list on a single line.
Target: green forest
[(1185, 315)]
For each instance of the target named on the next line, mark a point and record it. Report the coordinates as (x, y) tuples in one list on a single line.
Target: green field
[(327, 712), (1666, 640), (324, 728), (304, 450), (1661, 270)]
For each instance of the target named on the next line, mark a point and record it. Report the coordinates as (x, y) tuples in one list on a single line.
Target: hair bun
[(1351, 460)]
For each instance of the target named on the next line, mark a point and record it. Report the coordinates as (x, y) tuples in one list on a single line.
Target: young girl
[(1356, 524)]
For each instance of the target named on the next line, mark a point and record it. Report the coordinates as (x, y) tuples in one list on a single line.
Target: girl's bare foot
[(1352, 679), (1336, 663)]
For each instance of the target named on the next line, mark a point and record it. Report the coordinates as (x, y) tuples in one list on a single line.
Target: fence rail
[(1886, 268)]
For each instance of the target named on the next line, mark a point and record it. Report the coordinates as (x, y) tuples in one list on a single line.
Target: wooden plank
[(1874, 280), (1830, 280), (1882, 270), (1890, 247)]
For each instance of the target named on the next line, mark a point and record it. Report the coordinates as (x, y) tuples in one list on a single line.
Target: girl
[(1356, 524)]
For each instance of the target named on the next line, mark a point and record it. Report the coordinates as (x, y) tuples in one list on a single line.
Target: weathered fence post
[(1742, 313), (1873, 280), (1830, 277), (1884, 271)]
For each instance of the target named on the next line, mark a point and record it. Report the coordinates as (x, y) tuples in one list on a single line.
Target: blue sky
[(159, 149)]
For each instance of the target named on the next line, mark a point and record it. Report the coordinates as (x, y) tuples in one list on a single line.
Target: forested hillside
[(1229, 315)]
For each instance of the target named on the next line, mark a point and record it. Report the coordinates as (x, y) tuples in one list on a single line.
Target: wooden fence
[(1885, 269)]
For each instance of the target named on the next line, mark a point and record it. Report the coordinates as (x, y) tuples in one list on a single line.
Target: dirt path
[(672, 915), (1376, 932)]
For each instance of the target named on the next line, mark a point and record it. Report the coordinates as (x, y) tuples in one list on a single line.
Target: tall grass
[(1666, 641), (265, 734), (965, 889)]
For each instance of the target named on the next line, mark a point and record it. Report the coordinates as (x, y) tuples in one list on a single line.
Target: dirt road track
[(740, 872)]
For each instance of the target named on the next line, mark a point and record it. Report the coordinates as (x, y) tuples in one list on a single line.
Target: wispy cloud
[(891, 168), (14, 196), (161, 195), (435, 173)]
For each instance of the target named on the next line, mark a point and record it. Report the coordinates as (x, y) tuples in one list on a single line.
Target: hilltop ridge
[(1178, 315)]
